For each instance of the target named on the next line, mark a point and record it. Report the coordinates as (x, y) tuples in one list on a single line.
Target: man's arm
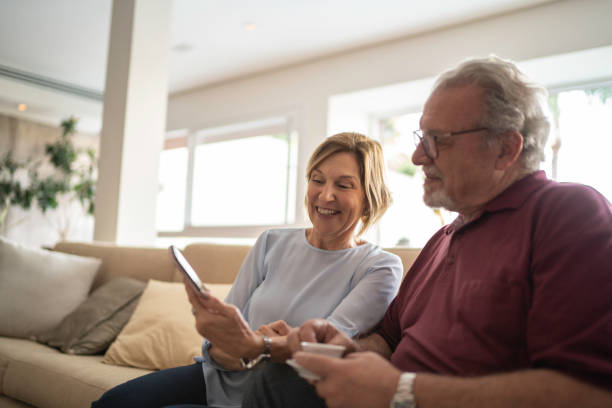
[(374, 342), (368, 380), (529, 388)]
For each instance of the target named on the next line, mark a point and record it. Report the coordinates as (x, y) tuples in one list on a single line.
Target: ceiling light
[(22, 107), (249, 26)]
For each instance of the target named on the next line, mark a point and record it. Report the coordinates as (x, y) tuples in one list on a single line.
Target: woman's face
[(335, 200)]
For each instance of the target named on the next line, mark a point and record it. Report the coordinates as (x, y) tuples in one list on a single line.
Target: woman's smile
[(326, 211)]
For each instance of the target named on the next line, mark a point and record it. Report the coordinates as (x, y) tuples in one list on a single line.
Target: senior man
[(511, 304)]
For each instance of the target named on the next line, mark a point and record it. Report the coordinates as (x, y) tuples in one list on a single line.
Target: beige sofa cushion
[(45, 378), (161, 332), (6, 402)]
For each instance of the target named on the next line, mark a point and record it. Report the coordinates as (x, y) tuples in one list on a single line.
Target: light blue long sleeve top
[(285, 278)]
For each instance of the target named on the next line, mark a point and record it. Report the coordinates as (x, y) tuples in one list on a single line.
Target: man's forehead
[(453, 106)]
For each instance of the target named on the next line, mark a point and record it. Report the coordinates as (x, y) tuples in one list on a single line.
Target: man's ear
[(510, 148)]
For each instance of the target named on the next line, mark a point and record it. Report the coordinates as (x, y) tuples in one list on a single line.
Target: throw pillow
[(161, 332), (93, 326), (38, 288)]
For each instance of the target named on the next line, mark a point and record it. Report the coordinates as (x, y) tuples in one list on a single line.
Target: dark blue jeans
[(277, 385), (171, 387)]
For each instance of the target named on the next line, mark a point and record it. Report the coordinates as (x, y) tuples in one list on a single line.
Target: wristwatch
[(404, 397), (247, 363)]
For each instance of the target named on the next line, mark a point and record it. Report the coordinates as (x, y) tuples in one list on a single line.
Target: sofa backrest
[(213, 262), (141, 263), (220, 263), (408, 255)]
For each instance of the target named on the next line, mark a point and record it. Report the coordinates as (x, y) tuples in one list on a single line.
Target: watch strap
[(265, 355), (404, 395)]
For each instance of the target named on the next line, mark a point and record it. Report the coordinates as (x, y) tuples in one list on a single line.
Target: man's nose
[(419, 157)]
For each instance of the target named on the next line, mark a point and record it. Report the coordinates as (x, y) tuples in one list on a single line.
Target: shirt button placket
[(450, 258)]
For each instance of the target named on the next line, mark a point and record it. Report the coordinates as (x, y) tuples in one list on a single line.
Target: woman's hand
[(277, 331), (274, 329), (224, 359), (223, 325)]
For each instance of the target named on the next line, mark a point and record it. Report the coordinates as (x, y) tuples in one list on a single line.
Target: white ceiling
[(67, 40)]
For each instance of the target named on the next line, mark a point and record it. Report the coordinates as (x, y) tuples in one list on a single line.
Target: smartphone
[(186, 268)]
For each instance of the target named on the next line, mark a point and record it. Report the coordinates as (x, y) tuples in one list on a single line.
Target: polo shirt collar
[(515, 195)]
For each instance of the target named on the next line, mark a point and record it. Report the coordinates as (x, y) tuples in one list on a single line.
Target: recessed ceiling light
[(249, 26), (22, 107)]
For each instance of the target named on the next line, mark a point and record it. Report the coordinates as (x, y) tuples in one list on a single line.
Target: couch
[(35, 375)]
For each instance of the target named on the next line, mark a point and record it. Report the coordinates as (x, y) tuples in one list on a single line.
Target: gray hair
[(512, 102)]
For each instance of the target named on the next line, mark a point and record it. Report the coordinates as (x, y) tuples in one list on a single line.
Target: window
[(230, 181), (408, 222), (580, 142), (242, 182)]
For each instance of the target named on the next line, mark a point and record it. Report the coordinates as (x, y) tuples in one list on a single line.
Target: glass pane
[(241, 182), (585, 135), (408, 222), (172, 189)]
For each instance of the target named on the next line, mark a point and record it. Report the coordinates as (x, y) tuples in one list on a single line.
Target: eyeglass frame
[(420, 136)]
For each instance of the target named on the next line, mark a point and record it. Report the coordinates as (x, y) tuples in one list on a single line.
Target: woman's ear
[(366, 208), (510, 148)]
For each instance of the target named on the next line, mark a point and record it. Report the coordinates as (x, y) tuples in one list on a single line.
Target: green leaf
[(408, 169), (62, 155), (603, 93), (69, 125)]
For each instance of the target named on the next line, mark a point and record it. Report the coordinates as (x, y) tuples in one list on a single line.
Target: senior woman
[(289, 276)]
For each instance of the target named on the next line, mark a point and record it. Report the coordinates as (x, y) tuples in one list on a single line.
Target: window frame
[(235, 131), (554, 91)]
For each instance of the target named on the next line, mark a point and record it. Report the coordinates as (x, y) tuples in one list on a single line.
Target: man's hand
[(359, 380), (319, 331)]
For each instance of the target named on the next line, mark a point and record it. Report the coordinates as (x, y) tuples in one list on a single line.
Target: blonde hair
[(369, 155)]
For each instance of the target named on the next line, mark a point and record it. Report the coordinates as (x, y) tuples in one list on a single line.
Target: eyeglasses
[(429, 140)]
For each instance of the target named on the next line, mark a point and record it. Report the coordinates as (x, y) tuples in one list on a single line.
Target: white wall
[(304, 90)]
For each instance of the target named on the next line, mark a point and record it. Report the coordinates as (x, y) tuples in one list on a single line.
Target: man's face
[(462, 177)]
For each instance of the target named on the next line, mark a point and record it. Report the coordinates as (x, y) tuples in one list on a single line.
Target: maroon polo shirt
[(528, 284)]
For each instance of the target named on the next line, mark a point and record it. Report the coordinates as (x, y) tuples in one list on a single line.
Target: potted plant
[(64, 177)]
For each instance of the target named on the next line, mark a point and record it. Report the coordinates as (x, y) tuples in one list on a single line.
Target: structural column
[(133, 123)]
